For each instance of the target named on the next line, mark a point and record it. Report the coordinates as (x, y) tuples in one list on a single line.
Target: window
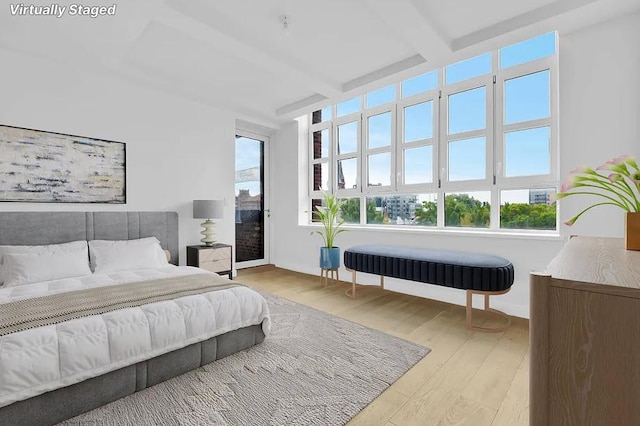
[(348, 107), (470, 68), (321, 115), (471, 209), (527, 209), (381, 96), (420, 84), (528, 50), (470, 145), (350, 210), (405, 209), (378, 156)]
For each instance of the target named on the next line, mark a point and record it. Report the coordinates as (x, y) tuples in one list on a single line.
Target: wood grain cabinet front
[(216, 258), (585, 336)]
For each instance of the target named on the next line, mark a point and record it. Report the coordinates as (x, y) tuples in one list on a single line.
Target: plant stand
[(324, 276)]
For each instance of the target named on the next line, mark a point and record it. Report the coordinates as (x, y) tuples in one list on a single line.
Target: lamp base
[(208, 232)]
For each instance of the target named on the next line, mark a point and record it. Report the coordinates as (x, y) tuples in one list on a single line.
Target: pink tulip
[(623, 159), (569, 182), (580, 169), (605, 166), (618, 161)]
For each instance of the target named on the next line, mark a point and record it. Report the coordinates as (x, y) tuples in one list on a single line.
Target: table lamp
[(208, 209)]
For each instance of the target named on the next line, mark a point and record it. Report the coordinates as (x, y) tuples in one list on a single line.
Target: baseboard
[(442, 294)]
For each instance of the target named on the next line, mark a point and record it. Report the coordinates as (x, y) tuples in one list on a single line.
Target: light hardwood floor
[(469, 378)]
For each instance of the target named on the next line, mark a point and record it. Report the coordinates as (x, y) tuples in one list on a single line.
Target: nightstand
[(215, 258)]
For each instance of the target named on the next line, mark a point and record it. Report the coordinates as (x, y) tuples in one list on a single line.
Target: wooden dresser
[(585, 336)]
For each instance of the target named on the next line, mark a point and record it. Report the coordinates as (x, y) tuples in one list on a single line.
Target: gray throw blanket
[(56, 308)]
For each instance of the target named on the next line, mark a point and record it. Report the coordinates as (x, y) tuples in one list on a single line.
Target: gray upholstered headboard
[(38, 228)]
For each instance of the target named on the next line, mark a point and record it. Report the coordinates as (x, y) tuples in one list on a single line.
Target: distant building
[(247, 206), (246, 201), (399, 208), (540, 196)]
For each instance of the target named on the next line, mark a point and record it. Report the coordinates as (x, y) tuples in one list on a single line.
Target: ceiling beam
[(200, 21), (540, 14), (289, 111), (153, 77), (379, 74), (412, 24)]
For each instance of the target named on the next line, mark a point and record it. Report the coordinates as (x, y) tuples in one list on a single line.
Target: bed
[(52, 371)]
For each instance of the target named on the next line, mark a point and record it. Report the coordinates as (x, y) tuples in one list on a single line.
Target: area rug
[(313, 369)]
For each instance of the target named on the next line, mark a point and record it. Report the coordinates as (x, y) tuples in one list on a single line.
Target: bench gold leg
[(487, 308), (351, 292), (353, 284)]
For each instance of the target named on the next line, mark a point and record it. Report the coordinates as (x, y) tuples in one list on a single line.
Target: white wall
[(599, 119), (599, 110), (177, 150)]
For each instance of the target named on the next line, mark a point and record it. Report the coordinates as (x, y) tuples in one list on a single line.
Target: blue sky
[(247, 156), (525, 98)]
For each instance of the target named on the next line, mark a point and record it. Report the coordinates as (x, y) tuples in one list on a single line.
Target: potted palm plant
[(328, 216)]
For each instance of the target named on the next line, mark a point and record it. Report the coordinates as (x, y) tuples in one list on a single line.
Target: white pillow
[(74, 246), (26, 268), (126, 255)]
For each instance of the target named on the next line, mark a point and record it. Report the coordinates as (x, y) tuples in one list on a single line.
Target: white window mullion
[(344, 124), (425, 100), (493, 118), (398, 148), (509, 161), (554, 148), (326, 178), (380, 112), (362, 168), (442, 142), (550, 122), (486, 133)]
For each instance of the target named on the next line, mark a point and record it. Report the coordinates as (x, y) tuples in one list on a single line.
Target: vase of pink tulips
[(617, 183)]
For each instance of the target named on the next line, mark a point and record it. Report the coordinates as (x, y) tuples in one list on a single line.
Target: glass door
[(252, 202)]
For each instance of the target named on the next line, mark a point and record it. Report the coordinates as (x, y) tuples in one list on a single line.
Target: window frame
[(485, 81), (428, 96), (324, 125), (495, 180), (357, 154), (522, 70), (366, 151)]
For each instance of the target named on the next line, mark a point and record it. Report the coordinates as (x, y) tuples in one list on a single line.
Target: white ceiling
[(234, 54)]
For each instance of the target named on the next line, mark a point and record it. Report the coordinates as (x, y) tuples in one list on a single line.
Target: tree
[(464, 210), (350, 210), (427, 213), (528, 216), (373, 215)]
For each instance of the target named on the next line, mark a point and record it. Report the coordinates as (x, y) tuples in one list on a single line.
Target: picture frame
[(48, 167)]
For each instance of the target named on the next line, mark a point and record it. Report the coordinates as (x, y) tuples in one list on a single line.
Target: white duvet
[(45, 358)]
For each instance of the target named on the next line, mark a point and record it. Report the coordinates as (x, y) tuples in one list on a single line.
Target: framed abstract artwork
[(47, 167)]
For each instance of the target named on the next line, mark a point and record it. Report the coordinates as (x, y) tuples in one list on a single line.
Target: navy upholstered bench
[(474, 272)]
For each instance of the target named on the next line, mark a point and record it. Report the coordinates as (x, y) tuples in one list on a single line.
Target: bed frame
[(37, 228)]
